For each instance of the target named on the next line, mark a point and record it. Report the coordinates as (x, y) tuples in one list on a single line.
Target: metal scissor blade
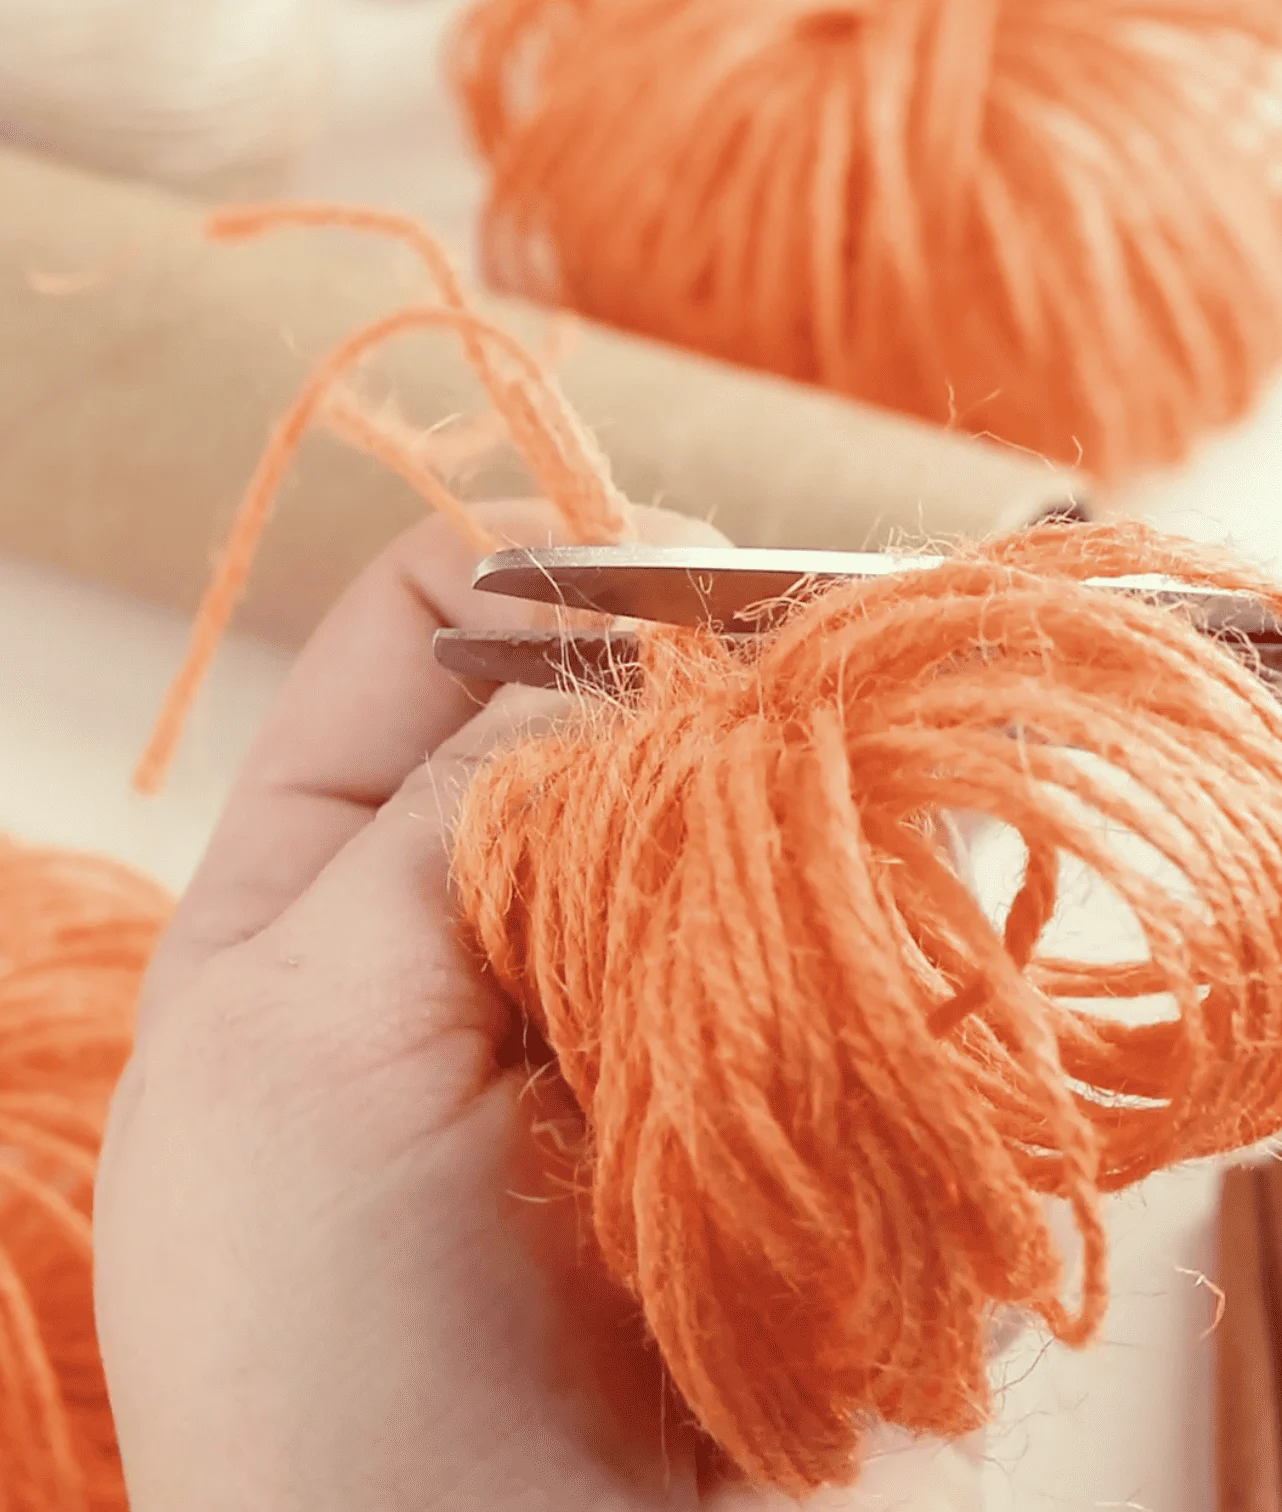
[(599, 659), (750, 587), (676, 585)]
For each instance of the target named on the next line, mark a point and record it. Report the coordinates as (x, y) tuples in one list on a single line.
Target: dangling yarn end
[(562, 457)]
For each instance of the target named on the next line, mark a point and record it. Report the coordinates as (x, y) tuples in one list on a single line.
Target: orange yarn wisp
[(75, 936), (562, 457), (1053, 221), (826, 1096)]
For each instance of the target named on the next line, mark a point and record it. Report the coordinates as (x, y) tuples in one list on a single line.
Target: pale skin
[(333, 1274)]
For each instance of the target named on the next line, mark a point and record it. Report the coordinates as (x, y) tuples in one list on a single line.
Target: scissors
[(738, 592)]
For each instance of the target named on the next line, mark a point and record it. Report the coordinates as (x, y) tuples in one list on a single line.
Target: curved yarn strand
[(811, 1068), (553, 442)]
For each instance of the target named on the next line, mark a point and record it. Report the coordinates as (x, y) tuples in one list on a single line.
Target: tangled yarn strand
[(561, 455)]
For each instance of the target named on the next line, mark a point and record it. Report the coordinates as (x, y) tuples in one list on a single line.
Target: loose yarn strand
[(560, 454)]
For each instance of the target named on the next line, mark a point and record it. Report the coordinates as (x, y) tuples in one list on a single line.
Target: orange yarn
[(1055, 221), (562, 457), (75, 936), (424, 459), (825, 1097)]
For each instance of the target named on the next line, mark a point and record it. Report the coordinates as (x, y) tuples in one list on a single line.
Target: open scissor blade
[(676, 585), (746, 588)]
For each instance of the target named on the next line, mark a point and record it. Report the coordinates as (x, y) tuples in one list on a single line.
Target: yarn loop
[(827, 1096)]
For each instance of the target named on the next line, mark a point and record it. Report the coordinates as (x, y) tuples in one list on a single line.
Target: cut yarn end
[(1054, 222), (75, 936), (825, 1095)]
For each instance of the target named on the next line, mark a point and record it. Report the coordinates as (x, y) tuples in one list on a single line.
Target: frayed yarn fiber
[(1057, 222)]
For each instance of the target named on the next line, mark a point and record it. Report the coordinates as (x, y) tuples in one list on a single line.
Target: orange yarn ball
[(75, 936), (1055, 221), (825, 1096)]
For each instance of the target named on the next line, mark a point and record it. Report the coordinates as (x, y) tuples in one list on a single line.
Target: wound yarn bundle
[(1056, 222), (75, 935), (826, 1097)]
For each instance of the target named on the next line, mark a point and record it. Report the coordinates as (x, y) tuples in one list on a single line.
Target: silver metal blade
[(685, 585), (749, 588)]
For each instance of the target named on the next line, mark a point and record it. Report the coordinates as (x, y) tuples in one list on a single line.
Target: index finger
[(364, 705)]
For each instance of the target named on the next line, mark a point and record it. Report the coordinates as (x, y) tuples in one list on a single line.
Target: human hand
[(337, 1266)]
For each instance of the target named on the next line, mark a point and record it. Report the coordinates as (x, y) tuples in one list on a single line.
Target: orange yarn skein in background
[(1055, 221), (75, 936)]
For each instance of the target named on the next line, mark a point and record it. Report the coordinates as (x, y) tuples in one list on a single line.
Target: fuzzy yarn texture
[(75, 935), (825, 1096), (1056, 222)]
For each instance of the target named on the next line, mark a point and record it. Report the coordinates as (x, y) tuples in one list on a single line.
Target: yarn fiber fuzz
[(825, 1095)]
